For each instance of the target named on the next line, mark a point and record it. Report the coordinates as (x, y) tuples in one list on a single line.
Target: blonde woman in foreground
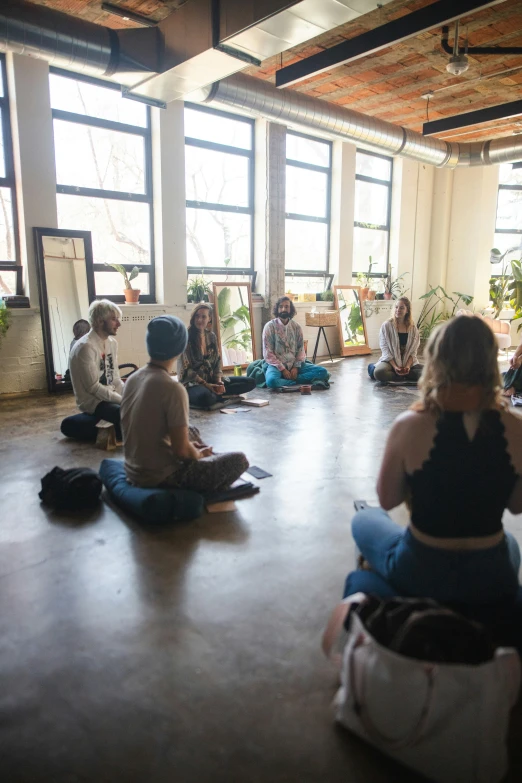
[(456, 459)]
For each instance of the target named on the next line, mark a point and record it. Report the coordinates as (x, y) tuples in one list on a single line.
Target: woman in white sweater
[(399, 342)]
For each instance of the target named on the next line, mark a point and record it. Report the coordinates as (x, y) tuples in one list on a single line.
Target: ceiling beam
[(477, 117), (435, 15)]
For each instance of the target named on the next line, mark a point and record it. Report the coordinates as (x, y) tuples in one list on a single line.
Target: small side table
[(319, 321), (321, 329)]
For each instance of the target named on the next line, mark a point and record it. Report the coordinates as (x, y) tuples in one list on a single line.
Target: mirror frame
[(39, 233), (215, 325), (351, 350)]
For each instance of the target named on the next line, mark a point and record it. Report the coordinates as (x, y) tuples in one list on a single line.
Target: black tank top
[(463, 487)]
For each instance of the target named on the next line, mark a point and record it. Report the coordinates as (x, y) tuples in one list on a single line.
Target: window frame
[(506, 230), (142, 198), (324, 274), (9, 181), (387, 226), (210, 206)]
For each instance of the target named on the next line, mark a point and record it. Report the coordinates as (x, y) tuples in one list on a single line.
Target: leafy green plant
[(439, 306), (395, 287), (327, 296), (5, 321), (229, 321), (198, 289), (127, 276), (364, 280)]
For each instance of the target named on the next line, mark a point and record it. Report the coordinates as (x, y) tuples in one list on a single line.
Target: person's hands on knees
[(294, 372), (286, 375), (206, 451), (218, 388)]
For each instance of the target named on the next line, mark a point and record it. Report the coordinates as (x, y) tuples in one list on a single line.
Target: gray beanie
[(166, 337)]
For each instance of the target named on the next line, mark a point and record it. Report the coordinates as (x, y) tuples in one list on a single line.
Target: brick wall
[(22, 361)]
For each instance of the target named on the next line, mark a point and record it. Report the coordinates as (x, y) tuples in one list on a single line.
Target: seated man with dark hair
[(283, 350)]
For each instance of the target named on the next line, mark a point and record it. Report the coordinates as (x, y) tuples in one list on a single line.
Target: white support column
[(33, 146), (473, 215), (440, 226), (343, 210), (275, 219), (168, 143)]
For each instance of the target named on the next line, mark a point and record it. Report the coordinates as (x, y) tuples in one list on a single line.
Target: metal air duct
[(263, 99)]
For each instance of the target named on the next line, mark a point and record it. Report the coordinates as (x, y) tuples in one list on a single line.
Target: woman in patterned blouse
[(199, 368)]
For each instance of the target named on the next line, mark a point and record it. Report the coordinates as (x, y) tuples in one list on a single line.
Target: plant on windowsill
[(132, 295), (394, 289), (199, 289), (364, 280), (326, 296)]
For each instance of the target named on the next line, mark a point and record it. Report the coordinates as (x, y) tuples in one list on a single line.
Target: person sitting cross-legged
[(199, 367), (93, 366), (283, 350), (155, 423), (399, 342)]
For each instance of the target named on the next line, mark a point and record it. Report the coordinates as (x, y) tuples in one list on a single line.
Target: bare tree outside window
[(102, 150), (219, 191)]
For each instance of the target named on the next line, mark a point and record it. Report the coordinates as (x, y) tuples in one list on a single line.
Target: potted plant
[(132, 295), (436, 309), (326, 296), (363, 280), (198, 289), (394, 289)]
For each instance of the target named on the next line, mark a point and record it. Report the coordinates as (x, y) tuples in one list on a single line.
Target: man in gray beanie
[(155, 422)]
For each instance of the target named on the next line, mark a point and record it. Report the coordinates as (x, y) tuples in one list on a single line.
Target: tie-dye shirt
[(283, 346)]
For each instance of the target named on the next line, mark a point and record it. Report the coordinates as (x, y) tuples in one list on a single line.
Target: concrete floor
[(188, 654)]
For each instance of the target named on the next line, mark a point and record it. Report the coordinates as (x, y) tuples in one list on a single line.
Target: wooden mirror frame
[(351, 350), (39, 234), (215, 324)]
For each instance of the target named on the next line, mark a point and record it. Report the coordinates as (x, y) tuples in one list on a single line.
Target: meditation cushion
[(156, 506), (81, 426)]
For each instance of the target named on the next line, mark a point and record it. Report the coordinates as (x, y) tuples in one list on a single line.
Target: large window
[(10, 272), (219, 175), (508, 227), (373, 183), (307, 230), (104, 177)]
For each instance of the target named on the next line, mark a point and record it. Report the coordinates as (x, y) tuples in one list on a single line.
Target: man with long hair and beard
[(283, 350)]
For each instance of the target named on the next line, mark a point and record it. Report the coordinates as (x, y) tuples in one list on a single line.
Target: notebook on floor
[(239, 489), (254, 402)]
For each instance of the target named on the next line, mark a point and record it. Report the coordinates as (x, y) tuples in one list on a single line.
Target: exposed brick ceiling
[(156, 10), (389, 84)]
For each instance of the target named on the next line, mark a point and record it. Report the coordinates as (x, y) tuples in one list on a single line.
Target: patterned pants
[(209, 474)]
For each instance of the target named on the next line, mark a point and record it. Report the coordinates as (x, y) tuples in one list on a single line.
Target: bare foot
[(508, 392)]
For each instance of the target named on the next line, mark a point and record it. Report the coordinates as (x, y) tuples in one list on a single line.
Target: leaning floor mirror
[(352, 320), (66, 288), (234, 324)]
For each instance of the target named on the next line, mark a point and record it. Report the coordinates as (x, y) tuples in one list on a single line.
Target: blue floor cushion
[(156, 506)]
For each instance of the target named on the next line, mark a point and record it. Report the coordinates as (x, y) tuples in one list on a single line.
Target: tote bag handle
[(360, 709)]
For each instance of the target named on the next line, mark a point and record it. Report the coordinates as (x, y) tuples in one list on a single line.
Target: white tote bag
[(446, 721)]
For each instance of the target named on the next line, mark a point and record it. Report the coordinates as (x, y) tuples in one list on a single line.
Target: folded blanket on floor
[(257, 371)]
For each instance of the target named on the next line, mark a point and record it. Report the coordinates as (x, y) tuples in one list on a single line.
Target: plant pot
[(388, 295), (364, 294), (380, 297), (132, 295), (371, 295)]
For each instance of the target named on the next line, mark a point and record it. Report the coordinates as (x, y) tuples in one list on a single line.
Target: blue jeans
[(308, 374), (415, 569)]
